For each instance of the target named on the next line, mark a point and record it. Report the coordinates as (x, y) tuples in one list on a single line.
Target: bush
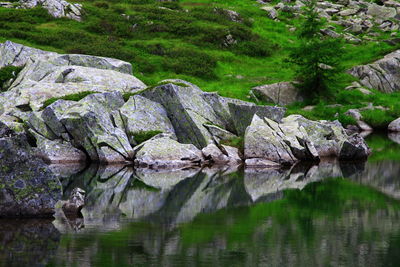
[(7, 73), (190, 62), (144, 136)]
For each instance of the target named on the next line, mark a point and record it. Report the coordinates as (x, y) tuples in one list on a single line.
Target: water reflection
[(27, 242), (295, 216)]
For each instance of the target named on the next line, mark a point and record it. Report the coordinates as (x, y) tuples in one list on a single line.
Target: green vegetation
[(383, 148), (317, 58), (385, 109), (181, 39), (71, 97), (6, 74), (144, 136), (237, 142), (202, 42)]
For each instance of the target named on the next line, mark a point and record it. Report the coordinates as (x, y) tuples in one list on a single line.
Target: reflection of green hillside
[(326, 222), (330, 199), (382, 148)]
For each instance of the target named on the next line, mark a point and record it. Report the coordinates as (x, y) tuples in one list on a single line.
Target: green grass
[(144, 136), (162, 40), (71, 97), (354, 99)]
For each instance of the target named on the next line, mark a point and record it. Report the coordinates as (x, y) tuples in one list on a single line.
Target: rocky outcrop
[(27, 187), (297, 138), (192, 111), (282, 93), (56, 8), (361, 20), (382, 75), (48, 75)]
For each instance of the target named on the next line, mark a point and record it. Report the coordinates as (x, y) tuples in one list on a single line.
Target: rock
[(75, 203), (282, 93), (219, 134), (243, 112), (355, 113), (214, 155), (348, 12), (354, 148), (18, 55), (52, 115), (187, 111), (271, 12), (394, 126), (233, 153), (383, 75), (89, 124), (236, 114), (56, 8), (139, 116), (260, 163), (50, 75), (262, 141), (297, 138), (330, 33), (381, 12), (162, 153), (27, 188), (58, 151)]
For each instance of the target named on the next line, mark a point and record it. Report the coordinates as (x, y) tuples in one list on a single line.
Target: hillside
[(223, 46)]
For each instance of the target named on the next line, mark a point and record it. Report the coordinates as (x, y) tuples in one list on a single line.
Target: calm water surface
[(332, 214)]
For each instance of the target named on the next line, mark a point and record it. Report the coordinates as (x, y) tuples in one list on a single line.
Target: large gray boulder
[(141, 116), (237, 114), (297, 138), (282, 93), (187, 111), (164, 152), (27, 187), (50, 75), (91, 127), (381, 12), (17, 55), (394, 126), (382, 75)]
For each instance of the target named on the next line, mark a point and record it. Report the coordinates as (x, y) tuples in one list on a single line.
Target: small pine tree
[(317, 58)]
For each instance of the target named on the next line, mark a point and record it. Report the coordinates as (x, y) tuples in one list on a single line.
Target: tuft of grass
[(144, 136), (71, 97), (237, 142)]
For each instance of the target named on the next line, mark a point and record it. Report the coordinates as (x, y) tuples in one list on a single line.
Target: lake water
[(333, 214)]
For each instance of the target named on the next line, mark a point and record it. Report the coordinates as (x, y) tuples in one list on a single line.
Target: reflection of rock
[(27, 242), (395, 137), (382, 175), (73, 206)]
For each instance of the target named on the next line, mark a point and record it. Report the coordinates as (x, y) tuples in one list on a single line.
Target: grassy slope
[(178, 44)]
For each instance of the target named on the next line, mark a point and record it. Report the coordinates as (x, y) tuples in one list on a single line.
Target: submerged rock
[(75, 203), (27, 187)]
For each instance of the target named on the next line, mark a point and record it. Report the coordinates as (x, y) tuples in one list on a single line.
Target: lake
[(329, 214)]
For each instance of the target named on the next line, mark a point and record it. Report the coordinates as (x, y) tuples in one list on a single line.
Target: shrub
[(190, 62), (7, 73)]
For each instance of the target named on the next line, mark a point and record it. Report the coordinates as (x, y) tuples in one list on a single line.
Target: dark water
[(333, 214)]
